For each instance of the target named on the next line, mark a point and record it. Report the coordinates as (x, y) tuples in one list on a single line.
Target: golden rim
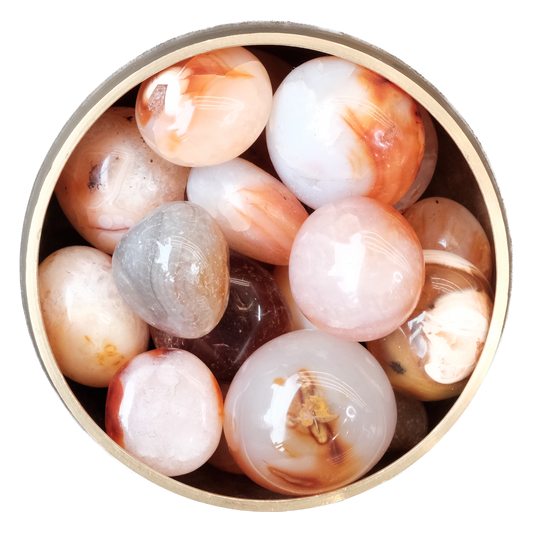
[(249, 34)]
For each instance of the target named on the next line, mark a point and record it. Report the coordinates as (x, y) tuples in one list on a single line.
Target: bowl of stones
[(266, 266)]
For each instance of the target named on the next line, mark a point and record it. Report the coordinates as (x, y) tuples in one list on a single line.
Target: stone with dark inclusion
[(257, 312)]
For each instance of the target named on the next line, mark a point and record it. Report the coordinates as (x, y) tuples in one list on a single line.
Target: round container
[(462, 174)]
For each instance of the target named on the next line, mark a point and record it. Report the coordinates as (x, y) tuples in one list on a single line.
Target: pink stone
[(165, 408), (258, 215), (309, 413), (338, 129), (91, 331), (206, 109), (112, 179), (443, 224), (356, 269)]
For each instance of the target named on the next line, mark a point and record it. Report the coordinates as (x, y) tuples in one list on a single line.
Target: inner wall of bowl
[(453, 179)]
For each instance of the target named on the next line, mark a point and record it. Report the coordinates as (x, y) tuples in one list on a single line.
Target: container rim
[(250, 34)]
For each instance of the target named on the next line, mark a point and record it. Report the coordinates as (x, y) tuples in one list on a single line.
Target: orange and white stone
[(338, 129), (431, 356), (112, 179), (206, 109), (258, 215), (91, 331)]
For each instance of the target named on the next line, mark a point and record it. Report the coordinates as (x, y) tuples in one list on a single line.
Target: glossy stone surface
[(91, 331), (206, 109), (338, 129), (112, 179), (259, 216), (356, 269), (165, 408), (308, 413), (427, 167), (256, 313), (172, 268), (432, 354), (443, 224)]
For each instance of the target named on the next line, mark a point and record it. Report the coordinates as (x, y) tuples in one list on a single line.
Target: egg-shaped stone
[(172, 268), (113, 178), (308, 413), (206, 109), (259, 216), (91, 330), (165, 408), (338, 129), (431, 356)]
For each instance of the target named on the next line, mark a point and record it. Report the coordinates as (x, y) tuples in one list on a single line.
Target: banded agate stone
[(338, 129), (165, 408), (206, 109), (308, 413), (91, 331), (256, 313), (258, 215), (112, 179), (172, 268), (432, 354), (444, 224), (356, 269)]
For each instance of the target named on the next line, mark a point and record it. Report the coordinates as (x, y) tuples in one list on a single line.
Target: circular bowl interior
[(462, 174)]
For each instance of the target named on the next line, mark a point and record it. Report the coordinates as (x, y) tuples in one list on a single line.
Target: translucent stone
[(356, 269), (112, 179), (206, 109), (443, 224), (172, 268), (256, 313), (165, 408), (338, 129), (427, 167), (432, 354), (259, 215), (308, 413), (91, 331)]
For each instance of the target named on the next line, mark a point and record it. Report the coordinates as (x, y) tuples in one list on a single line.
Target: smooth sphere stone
[(432, 354), (259, 216), (256, 313), (427, 167), (172, 268), (308, 413), (91, 330), (443, 224), (112, 179), (338, 129), (206, 109), (165, 408), (356, 269)]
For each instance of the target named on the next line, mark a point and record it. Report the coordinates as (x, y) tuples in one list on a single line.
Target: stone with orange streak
[(206, 109), (91, 331), (338, 129), (112, 179), (259, 216)]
